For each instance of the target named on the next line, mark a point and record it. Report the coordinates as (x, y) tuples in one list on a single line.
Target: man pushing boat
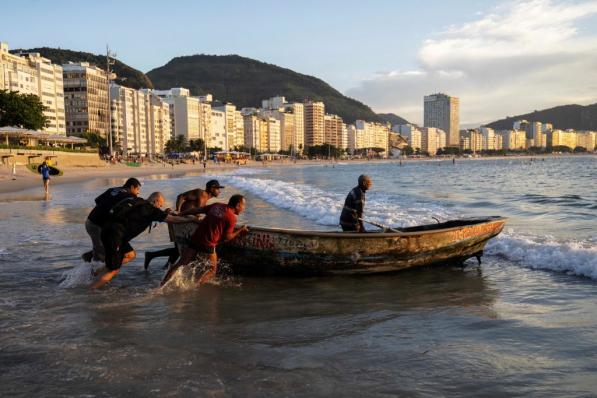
[(187, 203), (128, 219), (217, 226)]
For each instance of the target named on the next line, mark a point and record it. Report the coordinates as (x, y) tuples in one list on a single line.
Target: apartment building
[(33, 74), (140, 121), (293, 140), (262, 132), (430, 141), (489, 139), (86, 99), (356, 139), (314, 113), (186, 112), (332, 130), (375, 134), (239, 136), (229, 110), (411, 133), (587, 140), (443, 111), (218, 137), (563, 138), (286, 121), (513, 140), (160, 126)]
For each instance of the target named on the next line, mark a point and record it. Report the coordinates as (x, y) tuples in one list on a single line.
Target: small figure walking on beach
[(45, 176)]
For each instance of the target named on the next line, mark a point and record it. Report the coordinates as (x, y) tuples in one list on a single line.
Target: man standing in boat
[(351, 218)]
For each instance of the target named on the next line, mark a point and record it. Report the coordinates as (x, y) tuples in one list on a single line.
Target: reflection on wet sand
[(25, 196)]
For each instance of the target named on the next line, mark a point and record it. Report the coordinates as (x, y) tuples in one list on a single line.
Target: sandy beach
[(25, 179)]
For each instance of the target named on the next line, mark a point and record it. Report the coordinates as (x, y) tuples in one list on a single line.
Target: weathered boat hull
[(275, 251)]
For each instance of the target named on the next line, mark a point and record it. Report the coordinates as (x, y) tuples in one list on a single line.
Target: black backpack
[(119, 212)]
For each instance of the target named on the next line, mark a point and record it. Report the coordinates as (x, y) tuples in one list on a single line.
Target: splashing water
[(572, 257), (79, 275), (186, 277)]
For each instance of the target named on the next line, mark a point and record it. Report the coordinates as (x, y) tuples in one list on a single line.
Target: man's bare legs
[(105, 275), (187, 256), (211, 272)]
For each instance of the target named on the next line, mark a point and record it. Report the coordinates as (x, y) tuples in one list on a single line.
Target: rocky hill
[(125, 75), (245, 82), (392, 118), (563, 117)]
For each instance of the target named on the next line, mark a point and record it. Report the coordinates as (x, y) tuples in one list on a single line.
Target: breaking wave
[(546, 253), (323, 208)]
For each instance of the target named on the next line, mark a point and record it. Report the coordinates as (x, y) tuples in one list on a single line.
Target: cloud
[(517, 57)]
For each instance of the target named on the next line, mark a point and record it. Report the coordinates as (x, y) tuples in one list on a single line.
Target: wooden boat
[(279, 251)]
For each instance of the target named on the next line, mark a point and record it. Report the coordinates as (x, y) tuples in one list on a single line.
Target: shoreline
[(26, 180)]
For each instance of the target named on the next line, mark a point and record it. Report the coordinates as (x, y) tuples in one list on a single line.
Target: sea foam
[(547, 253), (323, 208)]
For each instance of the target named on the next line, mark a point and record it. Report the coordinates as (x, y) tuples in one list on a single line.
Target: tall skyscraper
[(443, 112)]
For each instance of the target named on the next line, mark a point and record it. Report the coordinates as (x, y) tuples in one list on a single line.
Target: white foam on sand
[(572, 257)]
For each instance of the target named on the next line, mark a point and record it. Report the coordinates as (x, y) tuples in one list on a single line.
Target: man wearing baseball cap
[(187, 203)]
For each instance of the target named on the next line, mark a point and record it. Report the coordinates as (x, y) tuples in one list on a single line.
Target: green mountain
[(246, 82), (125, 75), (392, 118), (563, 117)]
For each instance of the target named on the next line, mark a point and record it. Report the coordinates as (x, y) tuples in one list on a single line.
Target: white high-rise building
[(86, 99), (218, 137), (375, 135), (34, 74), (274, 103), (332, 131), (431, 139), (140, 121), (229, 124), (411, 133), (295, 142), (273, 135), (314, 112), (239, 137), (286, 121), (489, 139), (443, 112), (189, 115)]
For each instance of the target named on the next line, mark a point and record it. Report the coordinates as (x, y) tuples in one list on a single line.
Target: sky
[(501, 58)]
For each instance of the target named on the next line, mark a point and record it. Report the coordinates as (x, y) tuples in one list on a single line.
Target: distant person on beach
[(351, 218), (217, 226), (101, 212), (128, 219), (44, 169), (187, 203)]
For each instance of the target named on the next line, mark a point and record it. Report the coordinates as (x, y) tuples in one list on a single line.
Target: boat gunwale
[(359, 235)]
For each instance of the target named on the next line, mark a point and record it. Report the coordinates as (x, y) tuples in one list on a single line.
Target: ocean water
[(523, 323)]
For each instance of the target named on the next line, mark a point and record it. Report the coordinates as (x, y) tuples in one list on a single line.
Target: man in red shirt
[(218, 225)]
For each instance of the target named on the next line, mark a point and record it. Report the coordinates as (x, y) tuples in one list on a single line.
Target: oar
[(385, 227)]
